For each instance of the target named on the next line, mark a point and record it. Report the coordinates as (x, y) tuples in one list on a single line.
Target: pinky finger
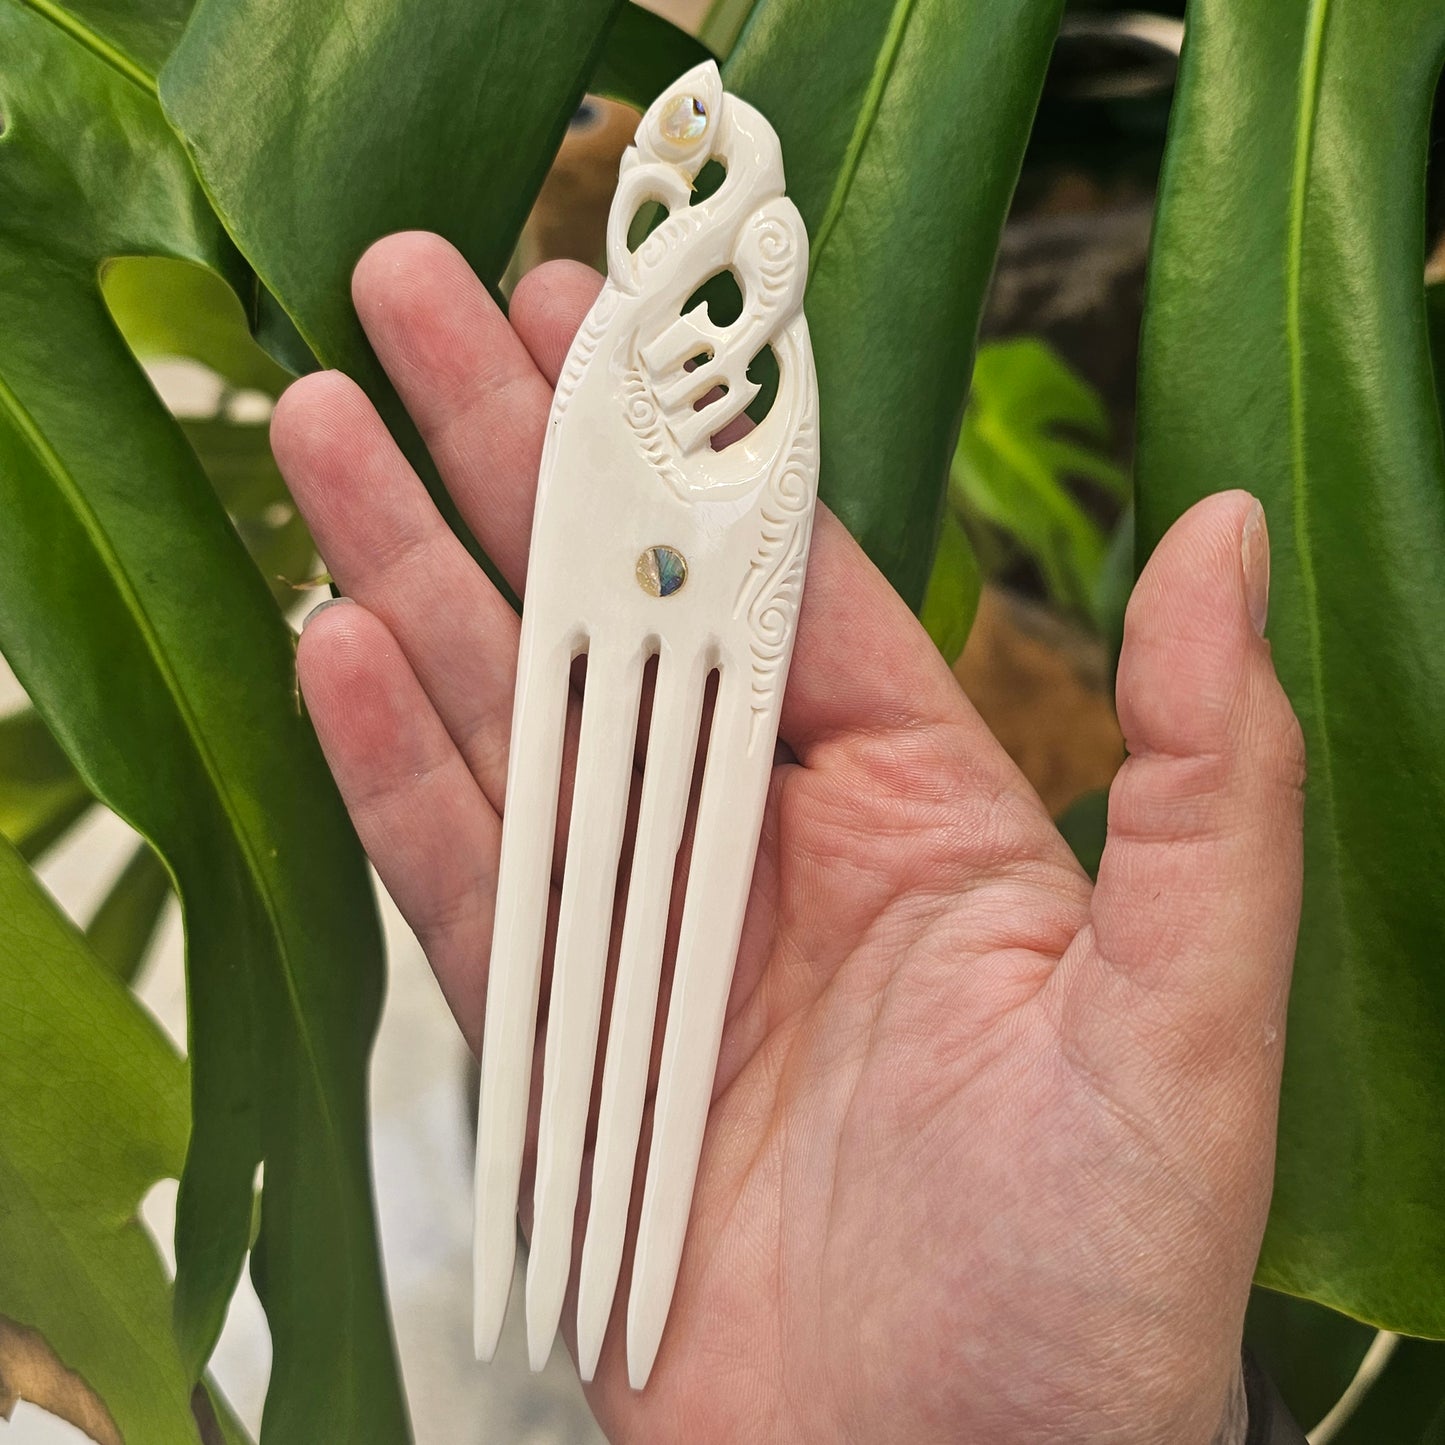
[(421, 816)]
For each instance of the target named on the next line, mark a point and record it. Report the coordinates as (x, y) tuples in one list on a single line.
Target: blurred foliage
[(1033, 431), (897, 280)]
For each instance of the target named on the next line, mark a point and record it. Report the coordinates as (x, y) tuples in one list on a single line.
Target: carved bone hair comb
[(647, 541)]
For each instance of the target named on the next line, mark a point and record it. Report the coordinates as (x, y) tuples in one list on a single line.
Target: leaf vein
[(1308, 109), (98, 46), (867, 116)]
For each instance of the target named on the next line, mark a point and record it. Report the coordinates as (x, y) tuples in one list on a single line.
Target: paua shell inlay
[(661, 571), (685, 118)]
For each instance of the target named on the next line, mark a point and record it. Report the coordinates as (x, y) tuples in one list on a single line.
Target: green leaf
[(1435, 319), (951, 600), (166, 307), (237, 458), (41, 795), (1014, 464), (1109, 599), (1285, 350), (1083, 824), (317, 128), (124, 925), (723, 23), (1310, 1352), (277, 335), (92, 1114), (903, 124), (643, 55), (135, 38), (133, 618)]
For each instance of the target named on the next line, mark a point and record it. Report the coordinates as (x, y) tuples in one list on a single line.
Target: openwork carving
[(668, 359), (674, 376)]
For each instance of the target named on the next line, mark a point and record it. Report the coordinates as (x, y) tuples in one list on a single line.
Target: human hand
[(990, 1148)]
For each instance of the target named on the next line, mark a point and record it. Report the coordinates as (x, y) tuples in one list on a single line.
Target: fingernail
[(319, 609), (1254, 548)]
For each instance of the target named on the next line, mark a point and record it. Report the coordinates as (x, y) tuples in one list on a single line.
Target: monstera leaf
[(950, 602), (85, 1305), (147, 640), (723, 23), (903, 124), (643, 55), (237, 458), (1286, 351), (124, 924), (1033, 426), (41, 795), (168, 308), (314, 136)]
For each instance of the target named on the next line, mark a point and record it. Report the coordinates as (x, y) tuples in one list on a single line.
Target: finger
[(388, 548), (421, 817), (861, 661), (470, 385), (548, 305), (1199, 886)]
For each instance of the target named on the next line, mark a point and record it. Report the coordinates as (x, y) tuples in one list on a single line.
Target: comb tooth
[(534, 771), (730, 810), (610, 703), (667, 776)]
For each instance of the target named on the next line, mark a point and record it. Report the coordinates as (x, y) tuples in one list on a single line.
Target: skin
[(990, 1148)]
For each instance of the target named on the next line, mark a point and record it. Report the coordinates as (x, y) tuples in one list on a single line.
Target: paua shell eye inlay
[(684, 119), (661, 571)]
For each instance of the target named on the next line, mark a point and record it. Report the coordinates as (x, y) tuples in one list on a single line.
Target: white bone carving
[(648, 538)]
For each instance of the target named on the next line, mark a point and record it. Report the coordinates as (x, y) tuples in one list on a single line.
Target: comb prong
[(534, 772), (666, 780), (729, 818), (610, 704)]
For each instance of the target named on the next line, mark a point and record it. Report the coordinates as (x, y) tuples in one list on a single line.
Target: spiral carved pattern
[(771, 590), (777, 254), (766, 251), (645, 418)]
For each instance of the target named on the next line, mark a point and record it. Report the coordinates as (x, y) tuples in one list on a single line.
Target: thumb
[(1175, 993), (1198, 897)]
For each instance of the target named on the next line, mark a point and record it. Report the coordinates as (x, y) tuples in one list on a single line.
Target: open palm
[(990, 1147)]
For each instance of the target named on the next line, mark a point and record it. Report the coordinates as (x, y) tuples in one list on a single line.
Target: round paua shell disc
[(685, 118), (661, 571)]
